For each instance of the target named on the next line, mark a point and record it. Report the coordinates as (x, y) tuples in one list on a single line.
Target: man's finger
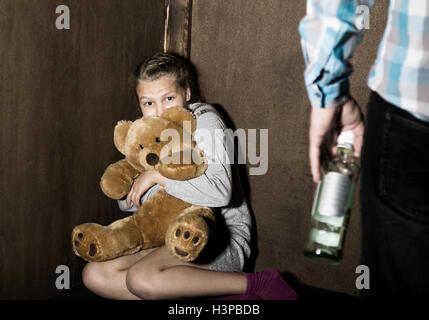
[(357, 145), (314, 152), (314, 162), (320, 122)]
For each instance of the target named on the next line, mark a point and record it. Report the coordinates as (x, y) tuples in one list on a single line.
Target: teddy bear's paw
[(186, 237), (86, 243), (116, 189)]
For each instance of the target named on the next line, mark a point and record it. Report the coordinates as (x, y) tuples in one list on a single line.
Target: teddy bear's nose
[(152, 159)]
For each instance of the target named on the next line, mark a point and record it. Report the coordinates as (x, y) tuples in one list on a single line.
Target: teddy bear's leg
[(117, 179), (94, 242), (188, 234)]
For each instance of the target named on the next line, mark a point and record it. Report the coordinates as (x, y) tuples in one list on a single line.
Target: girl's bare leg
[(108, 279), (160, 276)]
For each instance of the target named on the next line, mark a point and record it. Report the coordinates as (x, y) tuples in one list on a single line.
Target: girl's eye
[(170, 98), (149, 103)]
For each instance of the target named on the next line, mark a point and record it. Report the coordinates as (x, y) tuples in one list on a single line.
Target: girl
[(164, 81)]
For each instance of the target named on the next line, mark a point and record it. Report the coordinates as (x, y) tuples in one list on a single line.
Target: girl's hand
[(141, 184)]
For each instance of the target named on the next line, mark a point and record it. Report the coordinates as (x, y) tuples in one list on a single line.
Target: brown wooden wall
[(61, 93), (250, 62)]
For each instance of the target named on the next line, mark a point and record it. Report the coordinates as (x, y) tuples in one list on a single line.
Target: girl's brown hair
[(170, 64)]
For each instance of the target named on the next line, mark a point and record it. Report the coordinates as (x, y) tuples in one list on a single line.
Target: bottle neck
[(344, 155), (343, 149)]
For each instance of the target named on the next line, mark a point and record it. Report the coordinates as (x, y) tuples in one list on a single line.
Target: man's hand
[(322, 120)]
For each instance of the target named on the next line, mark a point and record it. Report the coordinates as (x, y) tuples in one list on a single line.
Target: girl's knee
[(93, 276), (145, 283)]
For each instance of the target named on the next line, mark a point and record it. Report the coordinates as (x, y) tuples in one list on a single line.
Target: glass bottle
[(333, 202)]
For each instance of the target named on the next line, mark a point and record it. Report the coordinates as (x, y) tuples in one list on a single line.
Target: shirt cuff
[(328, 96)]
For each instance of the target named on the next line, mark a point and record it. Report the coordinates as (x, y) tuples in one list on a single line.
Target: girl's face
[(157, 95)]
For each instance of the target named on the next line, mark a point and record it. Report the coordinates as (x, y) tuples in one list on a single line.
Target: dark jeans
[(394, 199)]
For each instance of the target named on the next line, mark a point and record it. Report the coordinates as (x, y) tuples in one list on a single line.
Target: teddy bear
[(184, 228)]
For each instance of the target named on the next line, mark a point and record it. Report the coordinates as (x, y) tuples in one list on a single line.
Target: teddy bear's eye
[(157, 139), (141, 146)]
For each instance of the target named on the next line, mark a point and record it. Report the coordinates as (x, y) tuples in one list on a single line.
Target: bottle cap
[(345, 139)]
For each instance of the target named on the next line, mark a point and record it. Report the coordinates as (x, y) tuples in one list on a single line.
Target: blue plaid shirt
[(332, 29)]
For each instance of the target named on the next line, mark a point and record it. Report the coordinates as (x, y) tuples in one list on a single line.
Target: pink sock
[(265, 285), (269, 285)]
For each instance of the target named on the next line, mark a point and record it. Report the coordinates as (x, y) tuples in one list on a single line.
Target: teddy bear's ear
[(120, 134), (178, 115)]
